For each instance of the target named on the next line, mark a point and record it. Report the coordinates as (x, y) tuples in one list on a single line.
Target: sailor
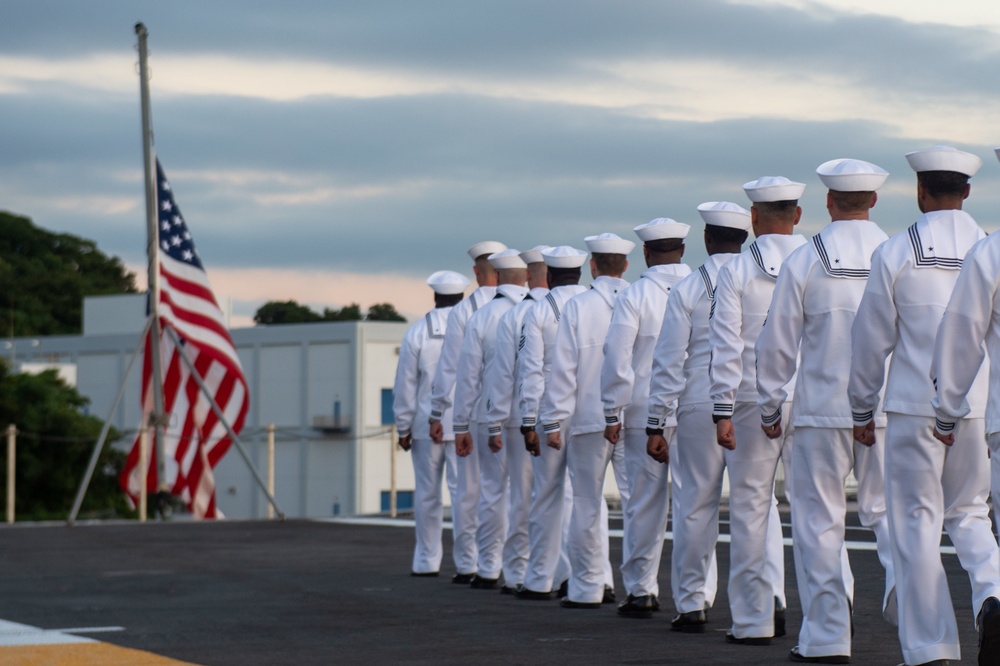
[(573, 394), (463, 510), (504, 420), (679, 395), (411, 406), (548, 517), (927, 485), (628, 359), (969, 323), (808, 330), (742, 296), (470, 421)]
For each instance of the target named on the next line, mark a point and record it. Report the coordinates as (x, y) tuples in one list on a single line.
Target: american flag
[(195, 439)]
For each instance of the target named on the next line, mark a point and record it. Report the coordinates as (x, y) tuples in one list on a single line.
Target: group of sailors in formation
[(524, 392)]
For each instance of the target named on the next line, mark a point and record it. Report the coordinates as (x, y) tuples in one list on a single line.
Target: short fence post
[(270, 468), (11, 463)]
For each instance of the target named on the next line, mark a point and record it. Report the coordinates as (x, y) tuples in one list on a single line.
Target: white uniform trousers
[(752, 466), (995, 489), (465, 510), (548, 518), (929, 485), (619, 468), (823, 459), (645, 518), (697, 468), (516, 547), (493, 505), (429, 464), (588, 456)]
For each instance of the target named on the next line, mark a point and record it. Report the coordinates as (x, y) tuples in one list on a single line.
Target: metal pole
[(270, 467), (11, 463), (152, 252), (92, 465), (392, 468), (143, 471), (225, 422)]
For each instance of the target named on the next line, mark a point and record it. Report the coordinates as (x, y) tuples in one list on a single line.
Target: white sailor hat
[(510, 258), (534, 255), (773, 188), (847, 175), (564, 256), (486, 247), (725, 214), (944, 158), (608, 244), (662, 228), (448, 282)]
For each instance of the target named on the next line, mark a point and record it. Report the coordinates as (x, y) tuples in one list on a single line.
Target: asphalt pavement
[(324, 592)]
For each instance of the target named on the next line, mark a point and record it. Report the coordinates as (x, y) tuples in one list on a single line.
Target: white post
[(270, 468), (143, 471), (11, 462), (392, 467)]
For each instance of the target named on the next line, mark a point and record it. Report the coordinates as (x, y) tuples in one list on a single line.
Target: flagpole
[(157, 418)]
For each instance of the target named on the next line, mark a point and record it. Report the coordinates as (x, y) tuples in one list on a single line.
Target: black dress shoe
[(480, 583), (609, 595), (568, 603), (692, 622), (563, 590), (507, 589), (531, 595), (640, 607), (989, 632), (779, 618), (749, 640), (424, 574), (462, 579), (826, 659)]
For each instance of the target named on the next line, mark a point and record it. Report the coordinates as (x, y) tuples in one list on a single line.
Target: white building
[(322, 385)]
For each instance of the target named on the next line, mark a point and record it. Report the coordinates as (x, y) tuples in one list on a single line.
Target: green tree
[(350, 312), (384, 312), (284, 312), (54, 445), (46, 275)]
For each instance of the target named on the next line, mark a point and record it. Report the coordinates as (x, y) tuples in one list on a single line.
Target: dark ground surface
[(306, 592)]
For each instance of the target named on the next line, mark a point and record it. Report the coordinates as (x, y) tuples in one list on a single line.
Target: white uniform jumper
[(411, 406), (464, 510), (927, 483), (478, 348), (969, 321), (679, 390), (552, 499), (628, 359), (573, 394), (504, 418), (813, 308), (742, 297)]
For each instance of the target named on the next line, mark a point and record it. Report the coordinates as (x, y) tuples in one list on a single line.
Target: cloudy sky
[(337, 152)]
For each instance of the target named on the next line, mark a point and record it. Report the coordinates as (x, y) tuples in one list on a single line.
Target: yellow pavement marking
[(82, 654)]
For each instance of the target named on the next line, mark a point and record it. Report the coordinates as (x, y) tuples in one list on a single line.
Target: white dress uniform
[(418, 358), (464, 511), (742, 296), (970, 320), (628, 360), (927, 484), (808, 330), (503, 418), (679, 398), (572, 393), (478, 348), (548, 516)]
